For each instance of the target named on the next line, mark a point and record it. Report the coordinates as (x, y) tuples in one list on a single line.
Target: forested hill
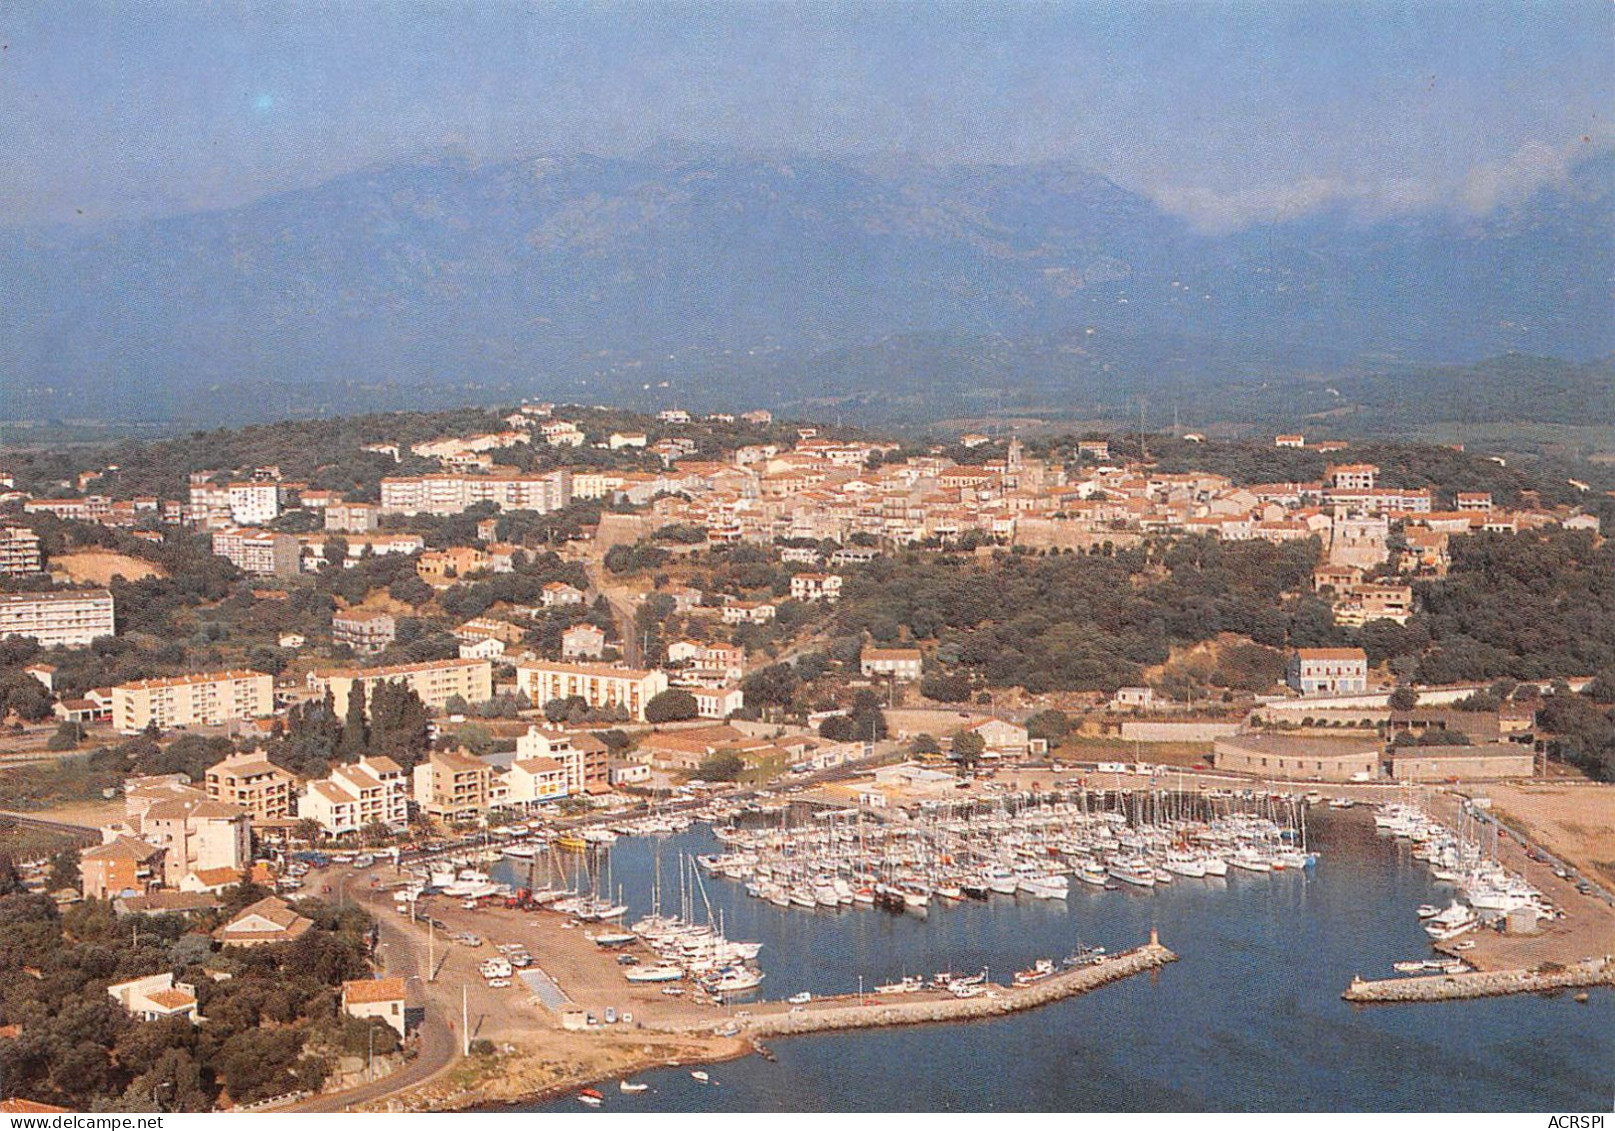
[(590, 278)]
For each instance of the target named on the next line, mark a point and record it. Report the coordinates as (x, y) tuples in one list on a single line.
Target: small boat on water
[(1428, 911), (631, 1089), (571, 842), (591, 1097), (700, 1077)]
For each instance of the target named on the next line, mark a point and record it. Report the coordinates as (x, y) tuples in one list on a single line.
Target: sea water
[(1249, 1019)]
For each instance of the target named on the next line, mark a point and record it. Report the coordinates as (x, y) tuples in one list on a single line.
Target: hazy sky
[(1222, 112)]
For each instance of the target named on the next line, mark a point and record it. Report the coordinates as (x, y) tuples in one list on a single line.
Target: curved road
[(405, 957)]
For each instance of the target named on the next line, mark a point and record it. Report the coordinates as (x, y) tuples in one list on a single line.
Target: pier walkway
[(1456, 987), (846, 1012)]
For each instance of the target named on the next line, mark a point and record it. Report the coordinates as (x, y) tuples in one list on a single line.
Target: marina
[(1259, 955)]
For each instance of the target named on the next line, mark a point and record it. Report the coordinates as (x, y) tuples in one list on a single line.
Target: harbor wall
[(1457, 987), (897, 1011)]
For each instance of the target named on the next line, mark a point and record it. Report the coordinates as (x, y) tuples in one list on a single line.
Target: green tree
[(64, 870), (355, 737), (1050, 726), (968, 747), (672, 705), (725, 765)]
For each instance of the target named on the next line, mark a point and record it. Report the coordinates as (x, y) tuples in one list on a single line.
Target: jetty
[(1492, 983), (872, 1011)]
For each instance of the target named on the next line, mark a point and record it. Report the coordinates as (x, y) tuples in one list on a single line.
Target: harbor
[(1254, 951)]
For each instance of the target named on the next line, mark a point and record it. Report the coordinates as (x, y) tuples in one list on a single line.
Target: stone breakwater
[(1456, 987), (829, 1015)]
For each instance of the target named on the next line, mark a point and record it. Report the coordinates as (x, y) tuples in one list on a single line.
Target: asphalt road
[(403, 955)]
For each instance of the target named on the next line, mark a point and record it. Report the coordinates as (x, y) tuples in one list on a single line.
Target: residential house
[(1317, 670), (123, 865), (376, 997), (582, 641), (899, 663), (156, 997), (270, 920), (816, 587)]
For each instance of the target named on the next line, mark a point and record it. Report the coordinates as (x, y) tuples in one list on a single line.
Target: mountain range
[(711, 276)]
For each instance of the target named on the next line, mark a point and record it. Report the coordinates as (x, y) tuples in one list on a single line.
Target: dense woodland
[(274, 1024)]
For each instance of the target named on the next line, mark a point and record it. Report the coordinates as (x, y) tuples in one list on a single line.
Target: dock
[(1493, 983), (848, 1012)]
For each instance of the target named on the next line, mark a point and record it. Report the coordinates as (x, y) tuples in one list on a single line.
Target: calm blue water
[(1249, 1019)]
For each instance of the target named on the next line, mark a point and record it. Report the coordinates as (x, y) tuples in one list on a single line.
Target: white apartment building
[(68, 619), (583, 759), (252, 504), (203, 699), (198, 833), (599, 685), (535, 781), (371, 791), (262, 552), (435, 681), (451, 493), (19, 551)]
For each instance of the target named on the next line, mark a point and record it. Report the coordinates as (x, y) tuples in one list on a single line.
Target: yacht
[(663, 973)]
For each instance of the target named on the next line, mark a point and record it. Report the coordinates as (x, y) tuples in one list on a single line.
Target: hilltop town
[(392, 633)]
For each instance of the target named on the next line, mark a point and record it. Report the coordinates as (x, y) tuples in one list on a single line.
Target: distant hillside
[(590, 278)]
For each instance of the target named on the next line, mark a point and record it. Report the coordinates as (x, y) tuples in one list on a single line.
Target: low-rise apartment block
[(250, 781), (264, 553), (68, 619), (598, 685), (435, 681), (451, 785), (371, 791), (816, 587), (452, 493), (19, 551), (203, 699), (899, 663), (364, 632)]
